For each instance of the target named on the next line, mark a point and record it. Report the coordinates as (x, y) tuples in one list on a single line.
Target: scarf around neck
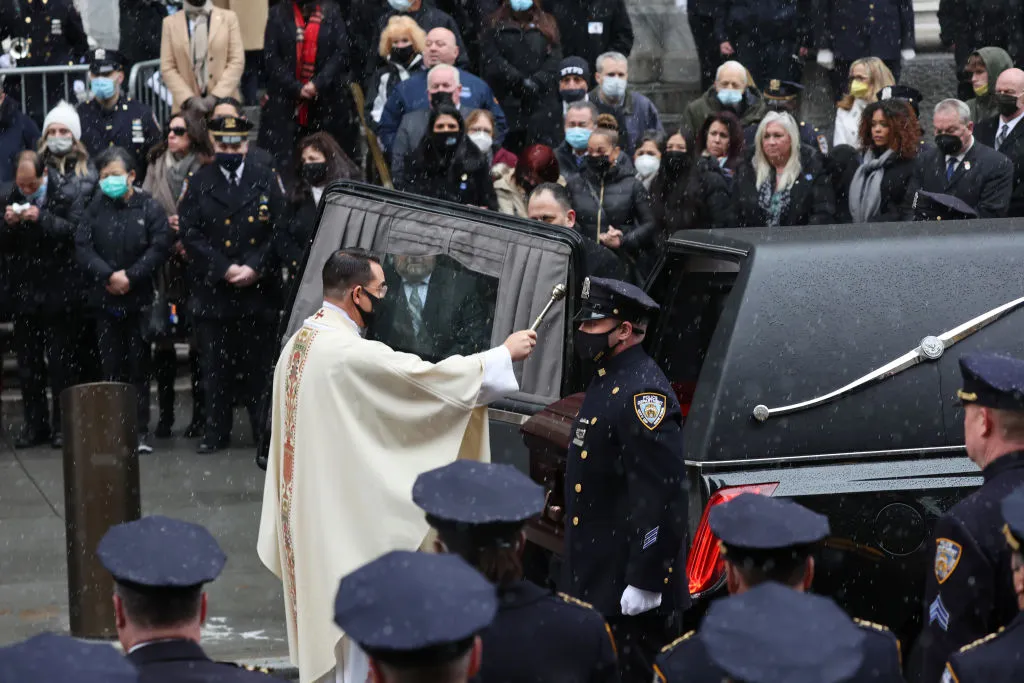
[(307, 38), (866, 186), (199, 41)]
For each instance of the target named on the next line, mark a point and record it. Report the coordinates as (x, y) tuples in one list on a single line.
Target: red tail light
[(704, 566)]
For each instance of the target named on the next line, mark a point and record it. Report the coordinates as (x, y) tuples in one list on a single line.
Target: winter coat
[(77, 188), (427, 17), (465, 179), (569, 164), (511, 199), (851, 33), (511, 53), (17, 133), (972, 24), (589, 28), (383, 82), (897, 195), (696, 111), (292, 241), (639, 114), (996, 62), (118, 234), (252, 20), (812, 200)]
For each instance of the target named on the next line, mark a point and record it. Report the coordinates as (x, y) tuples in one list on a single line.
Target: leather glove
[(908, 54), (635, 601), (826, 59)]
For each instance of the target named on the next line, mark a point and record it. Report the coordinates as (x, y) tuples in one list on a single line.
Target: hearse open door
[(483, 276)]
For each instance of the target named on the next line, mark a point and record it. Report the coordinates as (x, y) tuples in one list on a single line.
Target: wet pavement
[(221, 491)]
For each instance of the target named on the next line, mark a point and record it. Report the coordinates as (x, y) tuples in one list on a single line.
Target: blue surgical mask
[(102, 88), (613, 86), (577, 137), (730, 98), (521, 5), (36, 196), (400, 5), (114, 186)]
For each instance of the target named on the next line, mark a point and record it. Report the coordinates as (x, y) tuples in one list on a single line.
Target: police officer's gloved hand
[(826, 59), (635, 601), (908, 54)]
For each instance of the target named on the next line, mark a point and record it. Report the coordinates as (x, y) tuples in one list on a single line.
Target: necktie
[(1001, 138), (416, 308), (950, 168)]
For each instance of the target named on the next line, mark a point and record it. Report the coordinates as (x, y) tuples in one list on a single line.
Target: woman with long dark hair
[(690, 191), (520, 55), (890, 137), (721, 141), (447, 165)]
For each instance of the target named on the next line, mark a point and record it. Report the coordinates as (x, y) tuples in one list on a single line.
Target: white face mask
[(59, 146), (647, 165), (482, 140), (613, 86)]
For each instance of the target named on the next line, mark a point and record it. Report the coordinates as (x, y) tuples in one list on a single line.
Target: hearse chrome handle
[(931, 348)]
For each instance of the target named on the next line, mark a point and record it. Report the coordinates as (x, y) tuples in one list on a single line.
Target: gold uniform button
[(227, 243), (575, 521), (666, 580), (252, 240), (670, 570), (593, 421), (251, 219), (601, 372), (28, 20), (583, 455), (227, 221), (579, 488), (615, 391)]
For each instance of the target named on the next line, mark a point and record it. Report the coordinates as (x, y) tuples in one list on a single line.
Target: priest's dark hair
[(345, 269)]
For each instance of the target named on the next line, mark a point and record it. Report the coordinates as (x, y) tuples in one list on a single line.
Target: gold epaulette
[(980, 641), (575, 601), (680, 639), (871, 624)]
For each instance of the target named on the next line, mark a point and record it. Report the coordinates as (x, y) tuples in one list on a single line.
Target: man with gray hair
[(732, 91), (443, 87), (635, 113), (962, 167)]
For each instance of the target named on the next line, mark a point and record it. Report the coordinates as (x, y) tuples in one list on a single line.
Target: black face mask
[(439, 98), (1006, 104), (370, 316), (196, 3), (950, 145), (315, 172), (593, 346), (676, 163), (599, 164), (230, 161), (572, 95), (403, 55), (446, 143)]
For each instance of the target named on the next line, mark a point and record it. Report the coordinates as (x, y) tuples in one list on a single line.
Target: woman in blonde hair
[(61, 149), (401, 47), (784, 184), (867, 77)]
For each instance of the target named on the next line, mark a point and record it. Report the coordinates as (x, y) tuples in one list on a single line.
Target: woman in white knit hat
[(61, 149)]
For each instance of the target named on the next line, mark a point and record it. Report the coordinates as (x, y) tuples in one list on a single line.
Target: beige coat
[(252, 17), (226, 57)]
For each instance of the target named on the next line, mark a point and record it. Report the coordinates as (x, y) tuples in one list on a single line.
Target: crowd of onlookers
[(519, 106)]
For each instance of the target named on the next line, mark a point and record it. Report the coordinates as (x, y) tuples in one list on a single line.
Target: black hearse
[(815, 363)]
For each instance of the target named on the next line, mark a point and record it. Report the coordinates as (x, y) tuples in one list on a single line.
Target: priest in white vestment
[(354, 423)]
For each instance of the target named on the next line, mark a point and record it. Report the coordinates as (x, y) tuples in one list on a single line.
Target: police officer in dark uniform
[(969, 588), (770, 634), (63, 659), (112, 120), (785, 96), (996, 657), (51, 34), (228, 213), (160, 566), (625, 496), (417, 612), (765, 540), (479, 510)]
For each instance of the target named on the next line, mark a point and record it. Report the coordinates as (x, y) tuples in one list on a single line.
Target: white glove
[(908, 54), (635, 601), (826, 59)]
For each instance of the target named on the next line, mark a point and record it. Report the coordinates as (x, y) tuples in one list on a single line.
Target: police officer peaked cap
[(605, 298), (415, 609), (60, 659), (230, 129), (761, 522), (782, 91), (574, 66), (103, 62), (774, 634), (992, 381), (935, 206), (160, 552), (477, 493), (904, 93), (1013, 514)]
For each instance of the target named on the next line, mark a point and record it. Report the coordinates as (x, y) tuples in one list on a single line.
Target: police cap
[(606, 298), (992, 380), (470, 492), (934, 206), (160, 552), (1013, 515), (782, 91), (755, 522), (905, 93), (103, 62), (413, 609), (230, 130), (60, 659), (574, 66), (773, 634)]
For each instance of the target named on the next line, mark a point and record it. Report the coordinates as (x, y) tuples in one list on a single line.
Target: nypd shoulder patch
[(947, 557), (650, 408)]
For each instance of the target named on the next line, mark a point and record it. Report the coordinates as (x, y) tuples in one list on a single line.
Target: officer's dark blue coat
[(687, 659), (539, 635), (129, 125), (853, 29), (624, 488), (996, 658), (224, 225), (181, 661)]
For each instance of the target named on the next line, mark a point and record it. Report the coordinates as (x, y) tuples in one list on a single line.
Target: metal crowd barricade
[(67, 73), (145, 85)]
